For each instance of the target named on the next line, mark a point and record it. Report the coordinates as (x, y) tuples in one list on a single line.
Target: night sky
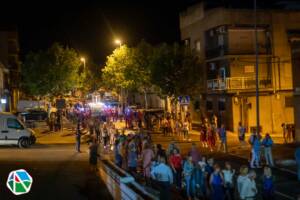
[(91, 26)]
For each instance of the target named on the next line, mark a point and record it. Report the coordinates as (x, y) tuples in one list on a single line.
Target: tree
[(125, 69), (53, 72), (175, 70), (92, 79)]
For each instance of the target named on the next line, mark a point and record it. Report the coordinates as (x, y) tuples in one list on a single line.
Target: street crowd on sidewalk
[(194, 175)]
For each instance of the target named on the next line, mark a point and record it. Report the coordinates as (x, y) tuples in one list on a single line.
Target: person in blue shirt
[(162, 174), (132, 156), (199, 177), (188, 171), (255, 150), (223, 138), (268, 143), (241, 133), (297, 155), (216, 182), (268, 191)]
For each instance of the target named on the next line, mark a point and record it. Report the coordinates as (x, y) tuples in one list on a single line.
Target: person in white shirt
[(163, 175), (248, 189), (228, 174), (241, 178)]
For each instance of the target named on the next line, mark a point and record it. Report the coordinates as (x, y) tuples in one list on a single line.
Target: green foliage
[(52, 72), (125, 69), (173, 69), (176, 70), (92, 79)]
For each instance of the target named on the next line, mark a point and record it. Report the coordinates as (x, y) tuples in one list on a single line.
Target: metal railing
[(122, 185), (238, 83)]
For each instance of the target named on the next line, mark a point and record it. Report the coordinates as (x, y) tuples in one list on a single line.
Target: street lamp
[(118, 42), (256, 69), (82, 59)]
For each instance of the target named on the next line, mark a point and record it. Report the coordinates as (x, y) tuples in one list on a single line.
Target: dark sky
[(90, 26)]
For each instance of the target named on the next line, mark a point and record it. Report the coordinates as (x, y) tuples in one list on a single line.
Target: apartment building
[(9, 69), (225, 40)]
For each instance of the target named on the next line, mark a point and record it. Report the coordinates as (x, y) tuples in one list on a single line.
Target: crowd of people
[(192, 175)]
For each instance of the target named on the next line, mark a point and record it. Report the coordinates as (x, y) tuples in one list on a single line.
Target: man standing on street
[(78, 137), (162, 173), (223, 139), (241, 134), (255, 150), (297, 155)]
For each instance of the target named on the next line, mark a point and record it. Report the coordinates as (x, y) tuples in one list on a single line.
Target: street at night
[(150, 100), (58, 173)]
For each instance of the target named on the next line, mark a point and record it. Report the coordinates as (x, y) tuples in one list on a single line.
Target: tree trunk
[(146, 101)]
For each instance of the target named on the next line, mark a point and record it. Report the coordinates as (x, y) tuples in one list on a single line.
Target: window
[(209, 105), (289, 102), (198, 45), (249, 68), (222, 106), (186, 42), (220, 40), (14, 124)]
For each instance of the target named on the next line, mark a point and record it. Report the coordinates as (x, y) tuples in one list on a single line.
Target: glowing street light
[(82, 59), (119, 42)]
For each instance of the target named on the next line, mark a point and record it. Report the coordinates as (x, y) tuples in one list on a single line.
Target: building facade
[(9, 69), (225, 40)]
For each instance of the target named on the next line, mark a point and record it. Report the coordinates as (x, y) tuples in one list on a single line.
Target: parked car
[(14, 132), (35, 115)]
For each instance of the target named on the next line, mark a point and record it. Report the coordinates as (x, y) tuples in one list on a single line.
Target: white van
[(13, 131)]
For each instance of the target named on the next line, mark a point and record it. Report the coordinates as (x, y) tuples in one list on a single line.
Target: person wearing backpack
[(268, 184), (268, 143)]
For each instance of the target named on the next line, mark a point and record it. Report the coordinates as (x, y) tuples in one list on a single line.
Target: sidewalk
[(283, 154)]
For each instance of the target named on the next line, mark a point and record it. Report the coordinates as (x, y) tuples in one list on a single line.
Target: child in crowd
[(228, 174), (241, 178), (268, 186)]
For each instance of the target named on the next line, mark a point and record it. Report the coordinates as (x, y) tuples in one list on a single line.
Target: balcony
[(238, 83)]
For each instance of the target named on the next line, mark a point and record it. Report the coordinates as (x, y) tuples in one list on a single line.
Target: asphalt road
[(58, 172), (286, 184)]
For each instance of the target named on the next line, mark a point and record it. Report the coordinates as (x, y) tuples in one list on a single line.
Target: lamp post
[(256, 69)]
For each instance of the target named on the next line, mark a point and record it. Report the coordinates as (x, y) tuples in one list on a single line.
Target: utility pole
[(256, 69)]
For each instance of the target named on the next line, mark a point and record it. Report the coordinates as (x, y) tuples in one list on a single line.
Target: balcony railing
[(238, 83)]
